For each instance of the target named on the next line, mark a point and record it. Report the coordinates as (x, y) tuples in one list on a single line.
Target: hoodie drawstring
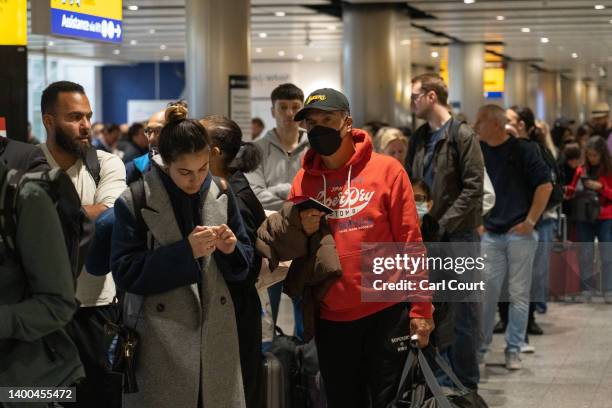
[(348, 182)]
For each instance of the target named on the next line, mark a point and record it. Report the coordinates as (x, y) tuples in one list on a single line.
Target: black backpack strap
[(93, 164), (3, 144), (140, 201), (8, 210), (453, 135)]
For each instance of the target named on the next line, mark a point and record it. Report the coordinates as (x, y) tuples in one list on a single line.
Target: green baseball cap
[(326, 99)]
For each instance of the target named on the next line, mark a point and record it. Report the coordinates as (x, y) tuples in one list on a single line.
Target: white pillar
[(547, 106), (403, 83), (592, 97), (570, 101), (218, 46), (515, 83), (370, 61), (465, 70)]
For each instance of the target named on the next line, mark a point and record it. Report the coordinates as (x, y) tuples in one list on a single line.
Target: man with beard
[(446, 154), (66, 114)]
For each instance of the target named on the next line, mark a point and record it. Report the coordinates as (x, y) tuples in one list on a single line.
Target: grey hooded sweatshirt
[(271, 181)]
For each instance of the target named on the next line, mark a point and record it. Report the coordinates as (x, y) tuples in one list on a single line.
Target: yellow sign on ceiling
[(493, 80), (13, 22), (493, 77), (100, 8)]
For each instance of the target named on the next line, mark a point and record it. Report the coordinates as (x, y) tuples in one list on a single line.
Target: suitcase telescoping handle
[(563, 222)]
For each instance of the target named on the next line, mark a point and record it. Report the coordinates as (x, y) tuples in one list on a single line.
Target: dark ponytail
[(227, 136), (181, 135), (247, 159), (526, 115)]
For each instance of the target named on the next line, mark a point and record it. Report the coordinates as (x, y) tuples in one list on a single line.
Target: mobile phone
[(306, 203)]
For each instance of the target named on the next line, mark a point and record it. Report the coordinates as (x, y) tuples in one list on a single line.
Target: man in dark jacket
[(447, 156), (517, 168), (36, 298)]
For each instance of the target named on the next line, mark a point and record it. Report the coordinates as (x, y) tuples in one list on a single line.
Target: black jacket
[(245, 297), (253, 216), (37, 298), (457, 190), (22, 156)]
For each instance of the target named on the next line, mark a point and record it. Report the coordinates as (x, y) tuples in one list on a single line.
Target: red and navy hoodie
[(372, 200)]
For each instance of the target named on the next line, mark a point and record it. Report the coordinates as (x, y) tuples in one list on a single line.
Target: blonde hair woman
[(392, 142)]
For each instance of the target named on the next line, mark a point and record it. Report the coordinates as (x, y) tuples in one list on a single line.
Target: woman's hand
[(593, 185), (202, 241), (226, 240)]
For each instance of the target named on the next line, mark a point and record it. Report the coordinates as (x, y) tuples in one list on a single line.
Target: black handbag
[(122, 354), (585, 205), (419, 388)]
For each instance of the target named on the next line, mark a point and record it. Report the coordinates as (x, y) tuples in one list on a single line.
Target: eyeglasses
[(419, 198), (415, 97), (149, 131)]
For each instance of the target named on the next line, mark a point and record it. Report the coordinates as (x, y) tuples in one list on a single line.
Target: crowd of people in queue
[(179, 204)]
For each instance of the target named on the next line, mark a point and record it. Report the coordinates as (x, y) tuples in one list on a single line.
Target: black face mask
[(324, 140)]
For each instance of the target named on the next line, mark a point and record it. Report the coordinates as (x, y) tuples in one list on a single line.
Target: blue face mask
[(422, 209)]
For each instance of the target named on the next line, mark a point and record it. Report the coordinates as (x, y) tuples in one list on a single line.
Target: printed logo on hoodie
[(343, 203)]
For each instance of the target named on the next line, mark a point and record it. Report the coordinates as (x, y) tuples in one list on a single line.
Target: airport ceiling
[(573, 36)]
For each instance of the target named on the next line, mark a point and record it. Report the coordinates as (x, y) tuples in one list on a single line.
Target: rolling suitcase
[(564, 272), (275, 382)]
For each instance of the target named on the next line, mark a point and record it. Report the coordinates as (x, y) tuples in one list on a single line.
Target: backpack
[(77, 228)]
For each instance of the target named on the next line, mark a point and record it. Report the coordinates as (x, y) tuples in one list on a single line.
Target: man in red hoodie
[(372, 201)]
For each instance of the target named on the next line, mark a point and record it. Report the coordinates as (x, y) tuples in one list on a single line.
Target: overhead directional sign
[(98, 20)]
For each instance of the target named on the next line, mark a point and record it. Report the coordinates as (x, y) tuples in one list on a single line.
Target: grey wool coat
[(188, 336)]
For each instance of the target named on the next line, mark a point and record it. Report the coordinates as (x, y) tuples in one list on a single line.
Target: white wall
[(81, 71), (309, 76)]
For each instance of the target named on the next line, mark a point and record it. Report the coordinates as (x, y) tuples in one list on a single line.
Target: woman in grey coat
[(173, 257)]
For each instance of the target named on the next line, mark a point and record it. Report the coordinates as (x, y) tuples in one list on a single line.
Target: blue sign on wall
[(493, 95), (87, 26)]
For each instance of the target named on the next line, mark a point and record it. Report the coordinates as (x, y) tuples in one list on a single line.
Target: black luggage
[(419, 388), (304, 385), (275, 382)]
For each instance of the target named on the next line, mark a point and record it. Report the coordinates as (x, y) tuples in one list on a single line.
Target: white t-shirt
[(95, 290)]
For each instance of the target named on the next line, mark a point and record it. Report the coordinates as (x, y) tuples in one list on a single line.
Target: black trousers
[(248, 321), (362, 360)]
